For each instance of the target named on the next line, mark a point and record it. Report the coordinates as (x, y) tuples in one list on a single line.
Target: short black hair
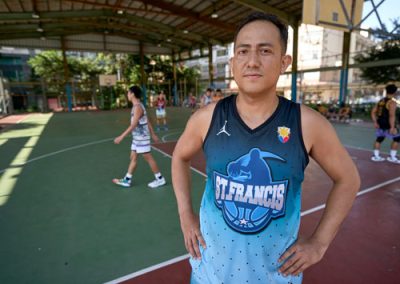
[(136, 91), (391, 89), (209, 89), (259, 16)]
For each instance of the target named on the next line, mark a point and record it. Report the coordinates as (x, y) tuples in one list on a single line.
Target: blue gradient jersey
[(250, 211)]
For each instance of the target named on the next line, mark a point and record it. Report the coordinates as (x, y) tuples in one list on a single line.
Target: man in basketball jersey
[(161, 112), (384, 117), (206, 99), (140, 128), (257, 146)]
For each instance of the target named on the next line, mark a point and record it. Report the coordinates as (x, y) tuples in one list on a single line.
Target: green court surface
[(61, 218)]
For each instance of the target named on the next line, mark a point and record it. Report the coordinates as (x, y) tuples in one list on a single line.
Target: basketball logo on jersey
[(283, 134), (247, 196)]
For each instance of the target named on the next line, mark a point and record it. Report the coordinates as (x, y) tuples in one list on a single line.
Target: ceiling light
[(185, 31), (43, 38), (159, 45), (169, 40), (214, 15), (120, 12), (40, 30), (35, 16)]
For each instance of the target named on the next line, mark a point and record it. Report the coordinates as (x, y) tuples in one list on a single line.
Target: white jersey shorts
[(161, 113), (140, 145)]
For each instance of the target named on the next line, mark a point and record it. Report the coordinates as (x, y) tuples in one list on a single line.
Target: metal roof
[(162, 27)]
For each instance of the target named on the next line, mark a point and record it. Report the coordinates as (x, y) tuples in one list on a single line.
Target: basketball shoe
[(393, 160), (377, 159), (122, 182), (157, 182)]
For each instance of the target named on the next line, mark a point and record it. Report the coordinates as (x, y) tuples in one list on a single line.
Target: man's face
[(130, 95), (258, 58)]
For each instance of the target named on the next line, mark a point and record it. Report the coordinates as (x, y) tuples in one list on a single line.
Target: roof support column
[(143, 78), (66, 76), (210, 65), (344, 72), (295, 27), (174, 88)]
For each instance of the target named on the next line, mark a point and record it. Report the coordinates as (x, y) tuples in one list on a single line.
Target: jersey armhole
[(211, 124), (303, 146)]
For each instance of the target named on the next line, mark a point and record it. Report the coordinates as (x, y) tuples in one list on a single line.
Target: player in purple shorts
[(384, 117)]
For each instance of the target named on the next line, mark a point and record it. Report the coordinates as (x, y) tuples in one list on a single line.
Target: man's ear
[(286, 61)]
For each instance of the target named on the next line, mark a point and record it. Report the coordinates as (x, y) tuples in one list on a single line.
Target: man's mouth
[(252, 75)]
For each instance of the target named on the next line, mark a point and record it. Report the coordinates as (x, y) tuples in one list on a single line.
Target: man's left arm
[(392, 117), (325, 148)]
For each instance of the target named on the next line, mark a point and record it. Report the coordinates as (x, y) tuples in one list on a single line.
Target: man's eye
[(265, 51), (242, 52)]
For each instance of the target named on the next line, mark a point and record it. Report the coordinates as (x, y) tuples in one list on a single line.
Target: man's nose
[(254, 59)]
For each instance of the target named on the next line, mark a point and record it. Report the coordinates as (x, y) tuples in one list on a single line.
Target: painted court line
[(366, 150), (62, 151), (361, 192), (163, 139), (149, 269), (81, 146), (168, 155)]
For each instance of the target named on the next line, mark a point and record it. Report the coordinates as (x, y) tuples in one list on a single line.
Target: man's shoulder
[(205, 112), (310, 118)]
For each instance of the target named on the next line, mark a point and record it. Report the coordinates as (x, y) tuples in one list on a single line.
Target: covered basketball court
[(61, 218)]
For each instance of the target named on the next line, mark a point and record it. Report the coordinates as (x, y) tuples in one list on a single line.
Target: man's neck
[(255, 110)]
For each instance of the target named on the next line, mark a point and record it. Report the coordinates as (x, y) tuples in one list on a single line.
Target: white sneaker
[(377, 159), (157, 182), (393, 160)]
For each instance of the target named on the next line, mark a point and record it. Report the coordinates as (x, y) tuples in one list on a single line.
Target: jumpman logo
[(223, 130)]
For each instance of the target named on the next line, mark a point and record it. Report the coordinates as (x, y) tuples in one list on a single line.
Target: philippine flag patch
[(283, 134)]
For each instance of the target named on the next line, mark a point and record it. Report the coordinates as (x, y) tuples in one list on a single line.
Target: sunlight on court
[(10, 175), (2, 141)]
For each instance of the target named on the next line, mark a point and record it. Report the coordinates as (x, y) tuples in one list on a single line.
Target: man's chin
[(253, 91)]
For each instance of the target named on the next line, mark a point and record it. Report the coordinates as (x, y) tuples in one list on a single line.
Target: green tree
[(84, 71), (387, 50), (49, 66)]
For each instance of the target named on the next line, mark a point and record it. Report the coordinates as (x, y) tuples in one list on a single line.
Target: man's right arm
[(187, 146), (134, 123), (373, 116)]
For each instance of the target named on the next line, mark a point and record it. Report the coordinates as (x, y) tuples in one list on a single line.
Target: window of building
[(221, 69), (335, 16), (222, 52)]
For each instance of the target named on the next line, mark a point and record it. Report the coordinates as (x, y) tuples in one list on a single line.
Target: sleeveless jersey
[(207, 100), (141, 131), (250, 211), (161, 103), (382, 113)]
